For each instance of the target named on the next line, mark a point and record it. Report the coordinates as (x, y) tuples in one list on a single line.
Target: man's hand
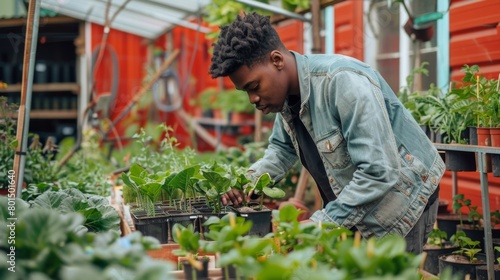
[(233, 196)]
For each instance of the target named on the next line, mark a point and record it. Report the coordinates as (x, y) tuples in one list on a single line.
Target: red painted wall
[(349, 28), (475, 36), (131, 52)]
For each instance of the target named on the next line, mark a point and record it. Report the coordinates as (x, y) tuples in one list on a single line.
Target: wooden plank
[(13, 22), (51, 114), (73, 87)]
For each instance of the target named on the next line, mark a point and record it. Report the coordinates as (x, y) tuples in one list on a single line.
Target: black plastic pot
[(204, 213), (156, 226), (495, 162), (460, 161), (431, 263), (461, 269), (448, 223), (192, 273), (229, 272), (261, 219), (482, 272)]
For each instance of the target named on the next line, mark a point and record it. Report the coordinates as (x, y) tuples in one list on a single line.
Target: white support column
[(404, 48)]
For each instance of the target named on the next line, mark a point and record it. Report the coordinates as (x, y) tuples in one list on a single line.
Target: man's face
[(265, 83)]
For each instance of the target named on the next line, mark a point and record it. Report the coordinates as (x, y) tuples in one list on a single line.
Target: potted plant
[(258, 213), (449, 222), (226, 234), (52, 245), (464, 260), (437, 244), (475, 229), (195, 267)]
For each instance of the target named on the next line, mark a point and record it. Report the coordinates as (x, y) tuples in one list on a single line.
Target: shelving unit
[(482, 152), (55, 90)]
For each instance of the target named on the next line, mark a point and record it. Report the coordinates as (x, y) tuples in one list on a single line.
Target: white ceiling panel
[(146, 18)]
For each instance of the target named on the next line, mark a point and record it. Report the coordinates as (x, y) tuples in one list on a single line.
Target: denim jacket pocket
[(412, 163), (333, 148)]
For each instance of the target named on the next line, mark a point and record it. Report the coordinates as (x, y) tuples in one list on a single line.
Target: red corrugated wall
[(475, 36), (474, 39), (349, 28)]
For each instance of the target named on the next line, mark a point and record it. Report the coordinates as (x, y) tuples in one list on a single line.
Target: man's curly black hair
[(245, 41)]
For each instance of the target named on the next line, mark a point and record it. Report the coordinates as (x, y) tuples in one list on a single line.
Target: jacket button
[(328, 145), (433, 180), (331, 180), (408, 157)]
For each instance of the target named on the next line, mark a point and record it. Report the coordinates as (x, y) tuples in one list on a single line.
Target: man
[(374, 167)]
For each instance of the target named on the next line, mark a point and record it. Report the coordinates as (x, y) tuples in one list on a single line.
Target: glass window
[(386, 28)]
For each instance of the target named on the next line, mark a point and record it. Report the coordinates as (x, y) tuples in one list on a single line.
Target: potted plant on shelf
[(464, 260), (449, 222), (475, 228)]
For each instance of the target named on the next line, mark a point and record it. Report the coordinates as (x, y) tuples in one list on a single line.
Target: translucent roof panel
[(146, 18)]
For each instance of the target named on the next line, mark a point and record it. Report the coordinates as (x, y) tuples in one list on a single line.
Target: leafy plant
[(98, 214), (437, 237), (185, 181), (292, 5), (482, 95), (189, 244), (467, 247), (228, 238), (223, 12), (217, 181), (474, 216), (262, 186), (51, 245)]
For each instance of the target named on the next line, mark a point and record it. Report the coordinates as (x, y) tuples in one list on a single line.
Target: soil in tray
[(455, 258)]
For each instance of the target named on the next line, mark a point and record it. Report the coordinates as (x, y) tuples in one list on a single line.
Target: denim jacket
[(380, 164)]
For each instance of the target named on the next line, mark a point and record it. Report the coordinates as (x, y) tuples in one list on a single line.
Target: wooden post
[(26, 91)]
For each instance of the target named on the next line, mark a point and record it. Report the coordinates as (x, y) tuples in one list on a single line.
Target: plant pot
[(192, 273), (448, 223), (495, 165), (443, 207), (495, 159), (460, 161), (472, 135), (477, 234), (482, 272), (484, 139), (229, 272), (431, 263), (156, 226), (460, 266), (261, 219), (204, 213)]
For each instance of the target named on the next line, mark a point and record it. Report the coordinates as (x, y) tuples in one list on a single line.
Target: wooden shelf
[(73, 87), (51, 114)]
